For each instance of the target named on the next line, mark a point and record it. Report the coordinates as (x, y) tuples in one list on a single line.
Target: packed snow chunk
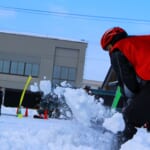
[(45, 86), (34, 87), (65, 84), (114, 123)]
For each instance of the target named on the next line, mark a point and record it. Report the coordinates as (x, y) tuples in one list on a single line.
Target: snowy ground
[(78, 134)]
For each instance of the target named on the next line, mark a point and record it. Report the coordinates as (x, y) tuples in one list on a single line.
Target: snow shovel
[(116, 98)]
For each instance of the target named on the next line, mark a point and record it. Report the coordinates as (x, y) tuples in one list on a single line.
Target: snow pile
[(83, 106), (77, 134)]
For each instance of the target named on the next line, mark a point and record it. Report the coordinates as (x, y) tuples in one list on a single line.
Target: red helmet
[(112, 35)]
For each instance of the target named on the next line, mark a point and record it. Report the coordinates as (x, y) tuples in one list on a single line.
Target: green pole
[(116, 98)]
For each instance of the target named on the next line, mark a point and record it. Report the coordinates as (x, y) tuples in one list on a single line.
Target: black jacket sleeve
[(125, 72)]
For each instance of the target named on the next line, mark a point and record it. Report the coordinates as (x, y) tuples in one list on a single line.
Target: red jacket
[(137, 51)]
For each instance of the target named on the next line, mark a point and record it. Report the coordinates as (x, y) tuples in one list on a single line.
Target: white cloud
[(7, 13)]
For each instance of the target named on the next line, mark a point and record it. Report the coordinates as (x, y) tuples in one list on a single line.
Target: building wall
[(22, 55), (92, 84)]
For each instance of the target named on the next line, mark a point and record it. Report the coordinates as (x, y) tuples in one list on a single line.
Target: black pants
[(138, 111)]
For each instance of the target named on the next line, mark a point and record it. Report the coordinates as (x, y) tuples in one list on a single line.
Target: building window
[(6, 66), (13, 69), (56, 72), (72, 74), (1, 66), (19, 68), (62, 73), (32, 69), (28, 69), (35, 70)]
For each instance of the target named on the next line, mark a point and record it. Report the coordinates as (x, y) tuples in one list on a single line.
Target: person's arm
[(125, 74)]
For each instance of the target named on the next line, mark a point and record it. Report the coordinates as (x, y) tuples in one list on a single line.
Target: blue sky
[(132, 15)]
